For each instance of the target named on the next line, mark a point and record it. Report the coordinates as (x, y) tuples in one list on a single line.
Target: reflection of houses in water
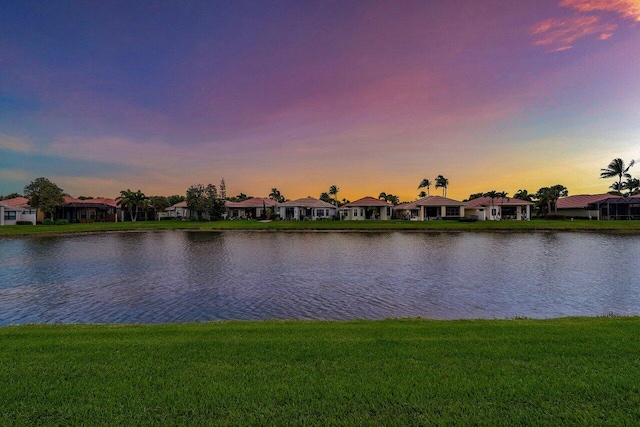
[(618, 208)]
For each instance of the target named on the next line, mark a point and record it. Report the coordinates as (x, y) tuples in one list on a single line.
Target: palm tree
[(132, 201), (382, 196), (558, 191), (616, 189), (333, 191), (442, 182), (633, 185), (422, 194), (493, 194), (276, 195), (425, 183), (523, 195), (617, 168)]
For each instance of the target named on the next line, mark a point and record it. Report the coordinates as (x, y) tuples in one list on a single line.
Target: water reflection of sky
[(174, 276)]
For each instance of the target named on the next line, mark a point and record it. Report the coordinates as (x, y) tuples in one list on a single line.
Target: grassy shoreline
[(571, 371), (632, 227)]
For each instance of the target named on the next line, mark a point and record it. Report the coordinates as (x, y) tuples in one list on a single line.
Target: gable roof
[(177, 205), (307, 202), (367, 201), (580, 201), (497, 201), (255, 202)]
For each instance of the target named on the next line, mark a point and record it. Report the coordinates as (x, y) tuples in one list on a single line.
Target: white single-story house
[(429, 208), (178, 211), (16, 209), (250, 208), (582, 205), (484, 208), (366, 208), (307, 207)]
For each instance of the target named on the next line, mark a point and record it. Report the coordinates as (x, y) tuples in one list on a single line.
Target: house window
[(355, 212), (92, 214), (83, 214), (453, 210), (494, 212), (10, 215)]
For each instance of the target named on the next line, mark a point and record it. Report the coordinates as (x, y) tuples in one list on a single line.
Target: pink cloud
[(626, 8), (560, 33)]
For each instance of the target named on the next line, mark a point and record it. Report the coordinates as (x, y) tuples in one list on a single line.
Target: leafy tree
[(197, 200), (523, 195), (44, 195), (425, 183), (10, 196), (223, 189), (176, 198), (548, 196), (422, 194), (133, 202), (159, 203), (442, 182), (239, 198), (215, 202), (333, 191), (393, 199), (276, 195), (617, 168)]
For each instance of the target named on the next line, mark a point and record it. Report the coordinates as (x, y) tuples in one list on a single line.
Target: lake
[(178, 276)]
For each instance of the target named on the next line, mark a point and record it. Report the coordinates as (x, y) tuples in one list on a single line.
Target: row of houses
[(600, 206)]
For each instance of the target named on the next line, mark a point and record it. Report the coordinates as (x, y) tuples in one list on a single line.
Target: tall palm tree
[(425, 183), (382, 196), (617, 168), (493, 194), (558, 191), (333, 191), (442, 182)]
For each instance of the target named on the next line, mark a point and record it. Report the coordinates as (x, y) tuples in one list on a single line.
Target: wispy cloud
[(559, 34), (629, 9)]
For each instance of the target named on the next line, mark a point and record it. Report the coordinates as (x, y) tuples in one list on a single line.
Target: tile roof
[(368, 201), (307, 202), (177, 205), (497, 201), (580, 201), (438, 201), (16, 202), (96, 202), (256, 202)]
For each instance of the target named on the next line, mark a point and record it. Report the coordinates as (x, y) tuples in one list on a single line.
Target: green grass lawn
[(572, 371), (535, 225)]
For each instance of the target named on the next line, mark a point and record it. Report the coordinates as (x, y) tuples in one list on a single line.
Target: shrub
[(274, 217), (555, 216), (468, 219), (193, 219), (48, 221), (167, 218), (61, 222), (24, 223), (204, 219)]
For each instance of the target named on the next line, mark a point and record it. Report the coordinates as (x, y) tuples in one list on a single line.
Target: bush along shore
[(533, 225), (572, 371)]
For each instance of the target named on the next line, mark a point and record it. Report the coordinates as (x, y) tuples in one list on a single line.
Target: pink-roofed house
[(307, 207), (178, 211), (485, 208), (16, 209), (366, 208), (582, 205), (250, 208), (99, 209)]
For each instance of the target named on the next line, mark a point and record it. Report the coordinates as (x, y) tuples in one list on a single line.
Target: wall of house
[(579, 213)]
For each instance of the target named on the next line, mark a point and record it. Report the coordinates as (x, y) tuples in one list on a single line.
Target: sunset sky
[(371, 96)]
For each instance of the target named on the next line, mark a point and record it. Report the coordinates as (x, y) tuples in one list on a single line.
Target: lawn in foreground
[(534, 225), (564, 371)]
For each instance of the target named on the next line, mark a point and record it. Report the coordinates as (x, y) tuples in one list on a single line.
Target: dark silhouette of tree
[(132, 202), (333, 191), (276, 195), (618, 169), (442, 182), (425, 183)]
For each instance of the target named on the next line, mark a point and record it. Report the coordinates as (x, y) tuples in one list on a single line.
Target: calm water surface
[(175, 276)]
